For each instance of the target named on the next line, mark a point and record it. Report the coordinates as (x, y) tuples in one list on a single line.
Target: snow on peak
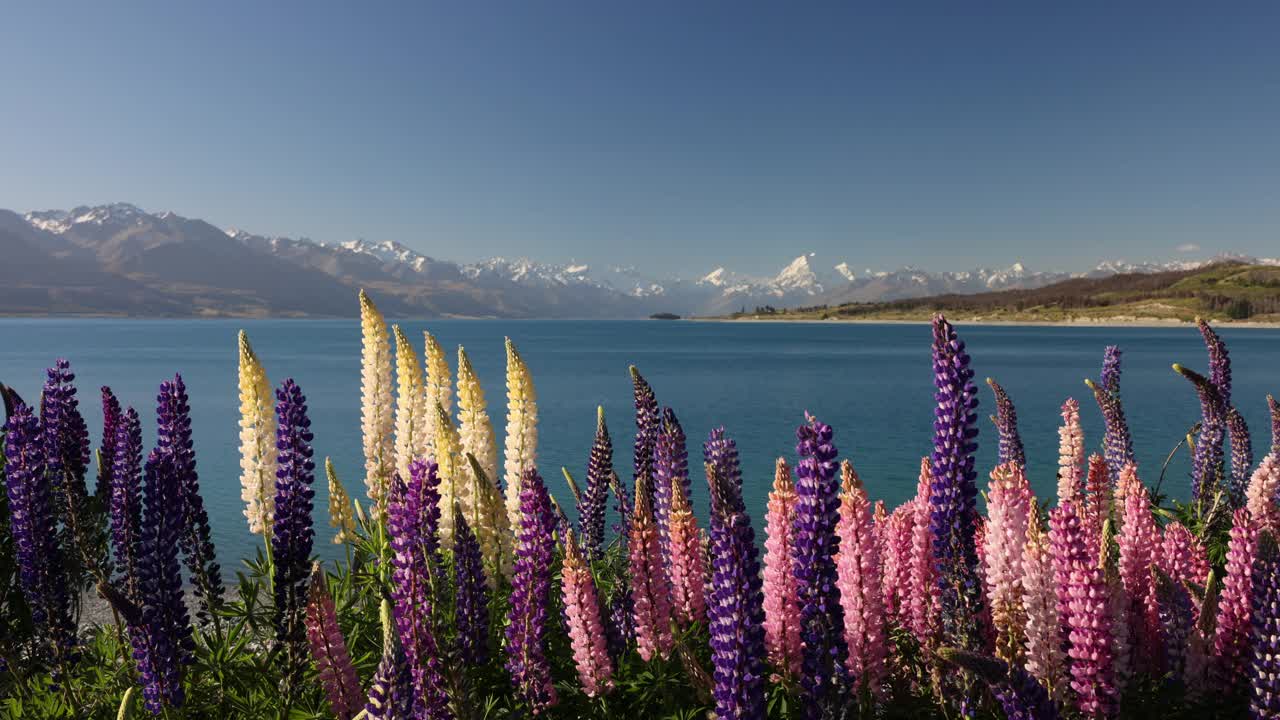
[(846, 272), (717, 277), (798, 276)]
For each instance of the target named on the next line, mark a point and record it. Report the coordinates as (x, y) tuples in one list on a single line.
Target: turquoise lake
[(872, 383)]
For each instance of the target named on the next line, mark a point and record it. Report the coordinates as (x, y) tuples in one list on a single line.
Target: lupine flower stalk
[(340, 515), (1275, 424), (1263, 493), (586, 632), (375, 405), (1264, 675), (648, 419), (1138, 541), (895, 553), (66, 441), (688, 563), (1096, 506), (1044, 648), (1175, 623), (1235, 611), (471, 609), (1020, 696), (650, 588), (455, 486), (591, 506), (257, 440), (1206, 468), (336, 673), (125, 501), (1182, 556), (531, 581), (670, 465), (1006, 421), (411, 418), (1009, 502), (781, 608), (521, 435), (111, 419), (923, 571), (387, 686), (1219, 361), (475, 433), (1241, 452), (1088, 616), (1117, 440), (858, 579), (438, 387), (292, 534), (1070, 454)]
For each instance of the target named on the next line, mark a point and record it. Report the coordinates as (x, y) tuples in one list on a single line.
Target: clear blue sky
[(672, 136)]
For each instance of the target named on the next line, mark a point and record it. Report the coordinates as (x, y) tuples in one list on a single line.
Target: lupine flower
[(475, 433), (1045, 658), (66, 457), (688, 564), (340, 517), (735, 608), (530, 583), (1019, 695), (375, 404), (1070, 454), (953, 497), (1206, 468), (1275, 424), (411, 419), (1231, 638), (1264, 701), (173, 439), (1109, 378), (413, 516), (126, 501), (923, 571), (1118, 611), (388, 686), (1182, 556), (781, 609), (521, 436), (1263, 492), (1175, 623), (586, 632), (1117, 441), (1139, 543), (647, 422), (1096, 506), (454, 485), (111, 418), (670, 464), (336, 673), (438, 388), (257, 440), (1241, 452), (814, 546), (1088, 616), (292, 534), (591, 505), (1008, 504), (32, 526), (895, 552), (471, 610), (1006, 421), (650, 588), (1219, 361), (858, 580)]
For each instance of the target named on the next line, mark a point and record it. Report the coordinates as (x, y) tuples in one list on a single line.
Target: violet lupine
[(781, 610), (735, 607), (923, 571), (586, 632), (471, 609), (1009, 502), (334, 668), (292, 534), (1117, 441), (389, 687), (1139, 541), (111, 418), (1206, 467), (173, 432), (1045, 657), (125, 500), (647, 421), (1219, 361), (1088, 616), (413, 522), (1264, 700), (858, 576), (1175, 623), (1006, 421), (530, 584), (1263, 492), (953, 497), (670, 464), (1020, 696), (1182, 556), (1231, 635), (688, 562), (591, 505), (66, 439), (1241, 452), (33, 529), (650, 588), (1070, 454)]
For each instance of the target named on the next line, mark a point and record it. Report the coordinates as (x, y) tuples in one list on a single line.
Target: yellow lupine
[(474, 426), (439, 386), (489, 519), (412, 420), (454, 480), (257, 440), (339, 507), (375, 404), (522, 430)]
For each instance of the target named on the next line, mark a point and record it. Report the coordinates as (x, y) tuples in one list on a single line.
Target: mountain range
[(120, 260)]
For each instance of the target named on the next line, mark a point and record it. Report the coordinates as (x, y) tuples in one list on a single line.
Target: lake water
[(872, 383)]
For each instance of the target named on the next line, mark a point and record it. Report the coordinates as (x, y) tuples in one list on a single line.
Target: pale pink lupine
[(1097, 502), (1070, 454), (1182, 556), (1045, 659), (586, 631), (781, 607), (1121, 643), (923, 599), (895, 558), (1139, 540), (858, 577), (1261, 494), (1008, 503), (650, 588), (1231, 652), (688, 562), (1088, 616)]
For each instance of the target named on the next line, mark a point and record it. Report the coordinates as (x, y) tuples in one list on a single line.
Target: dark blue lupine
[(472, 606), (125, 501), (591, 505), (647, 420), (111, 418), (953, 496), (1241, 452), (1264, 700), (530, 587), (735, 608), (815, 543), (173, 433), (1207, 462), (32, 526), (1006, 420), (670, 464), (66, 449), (292, 533)]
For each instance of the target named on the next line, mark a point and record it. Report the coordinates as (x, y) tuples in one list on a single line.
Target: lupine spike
[(530, 585), (376, 420), (1219, 361), (1045, 657), (858, 579), (688, 563), (125, 502), (650, 588), (340, 517), (895, 552), (491, 529), (586, 632), (1241, 453), (438, 387), (476, 437), (923, 572), (1235, 611), (1019, 695), (591, 507), (1070, 455), (647, 422), (329, 650), (471, 610), (1264, 675), (112, 416), (1175, 623), (521, 436), (1006, 420), (1182, 556), (1008, 505), (1263, 492), (671, 464), (1117, 442), (257, 440), (411, 418), (1275, 424), (1095, 509), (1088, 616), (1138, 541), (1207, 471), (781, 607), (454, 481)]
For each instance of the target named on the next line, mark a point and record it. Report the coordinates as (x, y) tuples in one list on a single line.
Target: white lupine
[(375, 404), (257, 440), (412, 420), (522, 430)]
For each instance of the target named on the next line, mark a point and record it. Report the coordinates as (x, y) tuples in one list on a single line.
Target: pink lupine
[(1070, 454), (1088, 616), (1045, 658), (1235, 612), (1139, 544), (586, 631), (650, 589), (895, 558), (781, 607), (688, 561), (329, 651), (1121, 644), (1097, 502), (1262, 494), (1182, 556), (922, 619), (858, 577), (1008, 503)]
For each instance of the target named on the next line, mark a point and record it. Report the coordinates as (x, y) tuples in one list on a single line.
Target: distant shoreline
[(957, 320)]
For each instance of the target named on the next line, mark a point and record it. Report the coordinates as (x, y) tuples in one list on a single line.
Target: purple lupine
[(66, 439), (954, 492), (125, 501), (814, 545), (619, 626), (1176, 620), (1109, 379), (1275, 423), (1241, 452), (647, 421), (1206, 467), (392, 671), (111, 418), (163, 644), (530, 585), (591, 504), (173, 432), (1219, 361), (1117, 443), (1264, 700), (670, 464), (735, 608), (413, 520), (1006, 421), (292, 534), (472, 606), (32, 526), (1020, 695)]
